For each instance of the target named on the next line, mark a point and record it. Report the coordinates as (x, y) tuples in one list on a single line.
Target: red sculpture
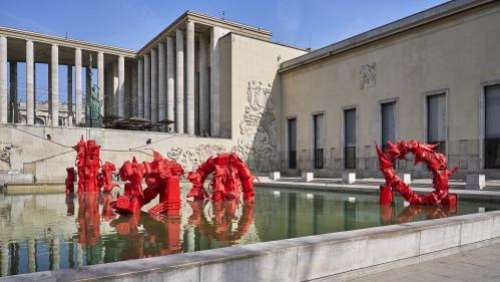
[(87, 163), (231, 177), (436, 163), (162, 177), (106, 177), (70, 180)]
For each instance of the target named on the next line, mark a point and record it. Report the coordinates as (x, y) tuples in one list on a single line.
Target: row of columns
[(166, 81), (119, 102)]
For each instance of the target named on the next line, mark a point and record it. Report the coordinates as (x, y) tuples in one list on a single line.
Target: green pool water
[(53, 231)]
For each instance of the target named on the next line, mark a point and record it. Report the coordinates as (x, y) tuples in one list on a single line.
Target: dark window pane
[(388, 122), (318, 123), (436, 118), (350, 138)]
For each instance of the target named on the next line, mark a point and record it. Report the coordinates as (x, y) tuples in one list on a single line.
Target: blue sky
[(132, 23)]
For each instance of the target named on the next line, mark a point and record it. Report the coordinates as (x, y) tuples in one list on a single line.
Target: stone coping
[(300, 259), (370, 188)]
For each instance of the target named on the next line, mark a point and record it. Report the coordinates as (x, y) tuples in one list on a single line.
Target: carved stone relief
[(258, 129), (368, 75)]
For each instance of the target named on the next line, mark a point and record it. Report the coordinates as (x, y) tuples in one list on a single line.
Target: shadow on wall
[(259, 128)]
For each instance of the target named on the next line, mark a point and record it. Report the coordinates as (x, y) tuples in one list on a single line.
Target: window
[(319, 136), (492, 127), (436, 121), (292, 143), (388, 122), (350, 139)]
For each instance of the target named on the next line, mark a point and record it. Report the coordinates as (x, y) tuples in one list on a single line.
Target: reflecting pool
[(54, 231)]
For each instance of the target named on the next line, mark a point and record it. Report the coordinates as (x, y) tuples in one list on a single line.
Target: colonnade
[(76, 108), (167, 84)]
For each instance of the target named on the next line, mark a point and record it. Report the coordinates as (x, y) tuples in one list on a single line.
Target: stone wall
[(456, 56)]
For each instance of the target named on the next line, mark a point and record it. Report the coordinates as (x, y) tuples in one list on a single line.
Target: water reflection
[(57, 231), (413, 213)]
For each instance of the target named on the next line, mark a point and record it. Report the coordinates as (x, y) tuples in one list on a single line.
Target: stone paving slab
[(482, 264)]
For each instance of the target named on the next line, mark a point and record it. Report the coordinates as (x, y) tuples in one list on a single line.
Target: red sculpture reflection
[(411, 212), (219, 226), (436, 163), (162, 177), (88, 218), (161, 235), (231, 176), (70, 180)]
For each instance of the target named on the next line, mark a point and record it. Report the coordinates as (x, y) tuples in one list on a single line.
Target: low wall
[(47, 158), (335, 255)]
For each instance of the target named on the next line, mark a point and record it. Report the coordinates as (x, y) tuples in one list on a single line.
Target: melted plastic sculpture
[(436, 163), (88, 164), (106, 177), (231, 176), (162, 177)]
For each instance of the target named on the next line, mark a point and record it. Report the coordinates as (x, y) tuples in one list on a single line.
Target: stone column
[(154, 85), (162, 97), (134, 88), (204, 112), (121, 86), (3, 79), (70, 95), (170, 82), (147, 87), (115, 88), (190, 77), (214, 82), (140, 88), (54, 76), (30, 84), (88, 93), (13, 109), (179, 37), (78, 86), (100, 81)]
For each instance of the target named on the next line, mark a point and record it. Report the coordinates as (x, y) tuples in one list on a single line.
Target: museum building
[(206, 85)]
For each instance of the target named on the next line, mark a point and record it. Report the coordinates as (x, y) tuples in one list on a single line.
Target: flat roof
[(390, 29), (233, 26), (63, 41)]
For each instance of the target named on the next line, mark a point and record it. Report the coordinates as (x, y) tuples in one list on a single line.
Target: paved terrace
[(473, 265)]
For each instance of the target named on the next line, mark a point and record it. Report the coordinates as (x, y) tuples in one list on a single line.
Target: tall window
[(492, 127), (292, 143), (350, 138), (388, 122), (319, 140), (436, 121)]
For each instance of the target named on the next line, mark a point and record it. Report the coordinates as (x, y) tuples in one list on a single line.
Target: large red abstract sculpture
[(231, 176), (88, 164), (436, 164), (162, 177)]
